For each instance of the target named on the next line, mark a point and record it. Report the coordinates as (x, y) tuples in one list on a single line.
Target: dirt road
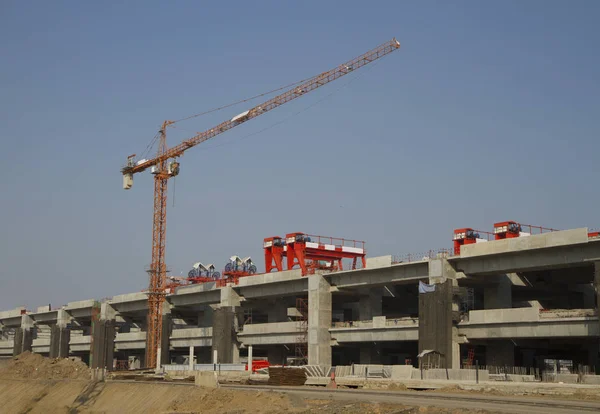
[(516, 405)]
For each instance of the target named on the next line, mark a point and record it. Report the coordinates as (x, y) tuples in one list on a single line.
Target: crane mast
[(164, 166)]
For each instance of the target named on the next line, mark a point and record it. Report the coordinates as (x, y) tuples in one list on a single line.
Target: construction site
[(513, 306), (519, 303)]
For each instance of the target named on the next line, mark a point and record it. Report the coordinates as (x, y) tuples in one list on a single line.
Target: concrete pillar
[(319, 321), (498, 295), (277, 311), (229, 297), (589, 296), (167, 329), (60, 335), (438, 312), (235, 353), (594, 357), (191, 359), (435, 321), (276, 355), (370, 354), (250, 359), (205, 318), (500, 353), (597, 284), (103, 337), (24, 335), (224, 335), (370, 304)]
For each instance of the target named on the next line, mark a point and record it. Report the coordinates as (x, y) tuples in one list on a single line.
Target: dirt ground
[(31, 383), (35, 366), (76, 396), (587, 394)]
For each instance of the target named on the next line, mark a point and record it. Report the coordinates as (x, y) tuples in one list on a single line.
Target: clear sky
[(488, 112)]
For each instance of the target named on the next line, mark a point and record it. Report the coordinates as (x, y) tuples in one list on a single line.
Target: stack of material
[(286, 376)]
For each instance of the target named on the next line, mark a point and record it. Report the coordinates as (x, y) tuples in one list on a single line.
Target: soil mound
[(34, 366)]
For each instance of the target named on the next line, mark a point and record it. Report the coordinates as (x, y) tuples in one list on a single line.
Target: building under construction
[(521, 298)]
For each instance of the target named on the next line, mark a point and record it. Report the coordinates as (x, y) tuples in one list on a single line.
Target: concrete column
[(589, 296), (500, 353), (24, 335), (191, 359), (597, 284), (437, 309), (229, 297), (224, 335), (60, 335), (235, 353), (370, 305), (319, 321), (276, 355), (594, 357), (167, 329), (435, 321), (498, 295), (250, 359), (205, 319), (103, 337), (370, 354), (277, 312)]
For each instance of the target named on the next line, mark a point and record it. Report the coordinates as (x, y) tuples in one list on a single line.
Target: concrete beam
[(296, 287), (406, 330), (393, 274), (538, 241), (279, 333), (528, 260), (12, 318), (130, 303), (543, 328), (184, 338), (79, 343), (130, 340), (45, 317), (194, 297)]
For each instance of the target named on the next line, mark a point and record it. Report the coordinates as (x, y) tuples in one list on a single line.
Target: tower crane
[(165, 166)]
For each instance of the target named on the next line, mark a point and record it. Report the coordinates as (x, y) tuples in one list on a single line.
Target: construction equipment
[(274, 248), (325, 253), (506, 230), (512, 229), (165, 166), (466, 236), (201, 273)]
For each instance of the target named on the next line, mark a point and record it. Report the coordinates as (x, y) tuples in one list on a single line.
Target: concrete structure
[(512, 302)]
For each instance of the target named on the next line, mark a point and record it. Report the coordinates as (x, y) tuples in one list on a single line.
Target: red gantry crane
[(165, 166)]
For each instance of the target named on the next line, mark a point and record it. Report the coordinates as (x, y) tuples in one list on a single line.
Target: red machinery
[(467, 236), (236, 268), (314, 252), (274, 248), (258, 364), (506, 230), (594, 235), (512, 229)]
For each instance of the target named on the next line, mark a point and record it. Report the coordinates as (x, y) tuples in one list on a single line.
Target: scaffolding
[(301, 348)]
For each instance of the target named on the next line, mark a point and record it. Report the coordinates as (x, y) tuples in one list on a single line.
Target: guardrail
[(205, 367)]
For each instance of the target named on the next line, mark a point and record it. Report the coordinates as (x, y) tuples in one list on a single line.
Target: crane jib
[(310, 85)]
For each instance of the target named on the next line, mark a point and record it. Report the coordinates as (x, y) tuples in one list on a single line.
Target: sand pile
[(35, 366)]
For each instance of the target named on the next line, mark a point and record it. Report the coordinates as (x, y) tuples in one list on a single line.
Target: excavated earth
[(33, 384)]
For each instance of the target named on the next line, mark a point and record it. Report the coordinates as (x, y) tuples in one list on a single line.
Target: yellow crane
[(165, 166)]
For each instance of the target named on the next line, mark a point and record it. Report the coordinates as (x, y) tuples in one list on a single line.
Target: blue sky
[(488, 112)]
